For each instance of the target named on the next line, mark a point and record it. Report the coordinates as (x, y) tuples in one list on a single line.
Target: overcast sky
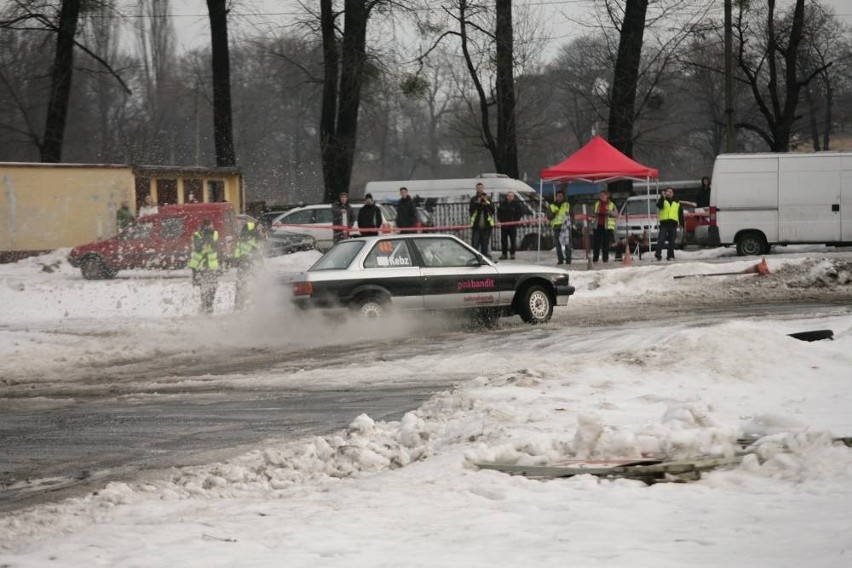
[(269, 15)]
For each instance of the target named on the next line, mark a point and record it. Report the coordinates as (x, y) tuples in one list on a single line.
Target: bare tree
[(472, 19), (223, 130), (344, 63), (622, 111), (60, 82), (768, 56)]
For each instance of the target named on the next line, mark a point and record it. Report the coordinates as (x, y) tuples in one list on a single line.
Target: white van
[(448, 199), (452, 190), (760, 200)]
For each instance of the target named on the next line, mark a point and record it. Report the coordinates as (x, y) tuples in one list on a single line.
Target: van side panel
[(846, 198), (809, 186), (745, 193)]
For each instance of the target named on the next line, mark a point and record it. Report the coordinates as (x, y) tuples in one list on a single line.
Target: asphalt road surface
[(53, 452)]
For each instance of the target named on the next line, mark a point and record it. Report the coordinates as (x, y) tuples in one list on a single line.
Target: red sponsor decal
[(476, 284)]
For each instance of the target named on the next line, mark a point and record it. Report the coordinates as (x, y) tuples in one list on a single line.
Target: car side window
[(138, 232), (171, 227), (445, 252), (297, 218), (323, 215), (389, 254)]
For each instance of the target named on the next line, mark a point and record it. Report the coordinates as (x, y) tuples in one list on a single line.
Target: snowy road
[(119, 422)]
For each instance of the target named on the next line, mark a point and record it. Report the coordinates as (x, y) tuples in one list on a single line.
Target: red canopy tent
[(598, 162)]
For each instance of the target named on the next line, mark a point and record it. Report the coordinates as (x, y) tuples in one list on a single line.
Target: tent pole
[(540, 227)]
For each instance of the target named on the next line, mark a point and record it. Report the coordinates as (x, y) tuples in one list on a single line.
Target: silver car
[(374, 275), (316, 221)]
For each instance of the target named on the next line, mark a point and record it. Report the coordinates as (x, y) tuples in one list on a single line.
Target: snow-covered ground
[(408, 492)]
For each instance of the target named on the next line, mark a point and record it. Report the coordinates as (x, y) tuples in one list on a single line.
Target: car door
[(135, 242), (390, 265), (170, 247), (453, 276)]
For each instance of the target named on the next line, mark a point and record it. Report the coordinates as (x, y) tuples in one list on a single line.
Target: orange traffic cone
[(760, 268), (628, 259)]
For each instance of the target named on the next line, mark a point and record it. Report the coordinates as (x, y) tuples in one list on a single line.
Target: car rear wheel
[(372, 308), (536, 305), (93, 268)]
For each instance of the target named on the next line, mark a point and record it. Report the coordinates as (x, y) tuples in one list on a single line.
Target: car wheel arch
[(366, 291)]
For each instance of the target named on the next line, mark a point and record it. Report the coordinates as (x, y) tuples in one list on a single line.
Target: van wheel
[(536, 305), (751, 243), (93, 268)]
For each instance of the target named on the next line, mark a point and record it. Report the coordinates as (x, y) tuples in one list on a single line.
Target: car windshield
[(339, 257), (640, 207)]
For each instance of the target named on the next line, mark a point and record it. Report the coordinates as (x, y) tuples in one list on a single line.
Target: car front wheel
[(93, 268), (536, 305)]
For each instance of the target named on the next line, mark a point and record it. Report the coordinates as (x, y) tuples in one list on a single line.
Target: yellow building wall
[(49, 206), (60, 205)]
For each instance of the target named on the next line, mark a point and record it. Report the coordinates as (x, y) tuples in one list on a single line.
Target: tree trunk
[(622, 111), (507, 141), (60, 84), (341, 99), (223, 131)]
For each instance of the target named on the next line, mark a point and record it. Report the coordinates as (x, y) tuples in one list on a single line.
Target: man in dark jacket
[(406, 212), (670, 215), (341, 217), (509, 212), (369, 217)]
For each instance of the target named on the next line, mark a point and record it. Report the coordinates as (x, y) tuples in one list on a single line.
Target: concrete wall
[(45, 207)]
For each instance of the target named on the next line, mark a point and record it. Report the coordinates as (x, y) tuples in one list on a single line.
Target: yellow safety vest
[(207, 258), (610, 221), (670, 211), (247, 242), (560, 212), (488, 219)]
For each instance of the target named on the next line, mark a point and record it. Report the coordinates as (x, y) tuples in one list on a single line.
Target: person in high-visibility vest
[(558, 212), (481, 220), (603, 221), (670, 215), (247, 255), (204, 263)]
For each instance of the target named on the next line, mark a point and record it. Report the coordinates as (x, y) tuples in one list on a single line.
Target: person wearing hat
[(341, 217), (369, 217)]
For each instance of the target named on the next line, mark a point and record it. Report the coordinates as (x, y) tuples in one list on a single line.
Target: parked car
[(425, 220), (373, 275), (639, 214), (268, 217), (162, 240), (316, 221), (288, 243)]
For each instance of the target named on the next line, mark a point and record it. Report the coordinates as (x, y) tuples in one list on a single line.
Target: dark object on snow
[(817, 335), (761, 269)]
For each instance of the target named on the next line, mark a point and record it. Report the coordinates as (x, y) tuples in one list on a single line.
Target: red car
[(161, 241)]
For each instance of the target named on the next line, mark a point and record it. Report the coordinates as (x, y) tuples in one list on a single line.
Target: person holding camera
[(481, 220)]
